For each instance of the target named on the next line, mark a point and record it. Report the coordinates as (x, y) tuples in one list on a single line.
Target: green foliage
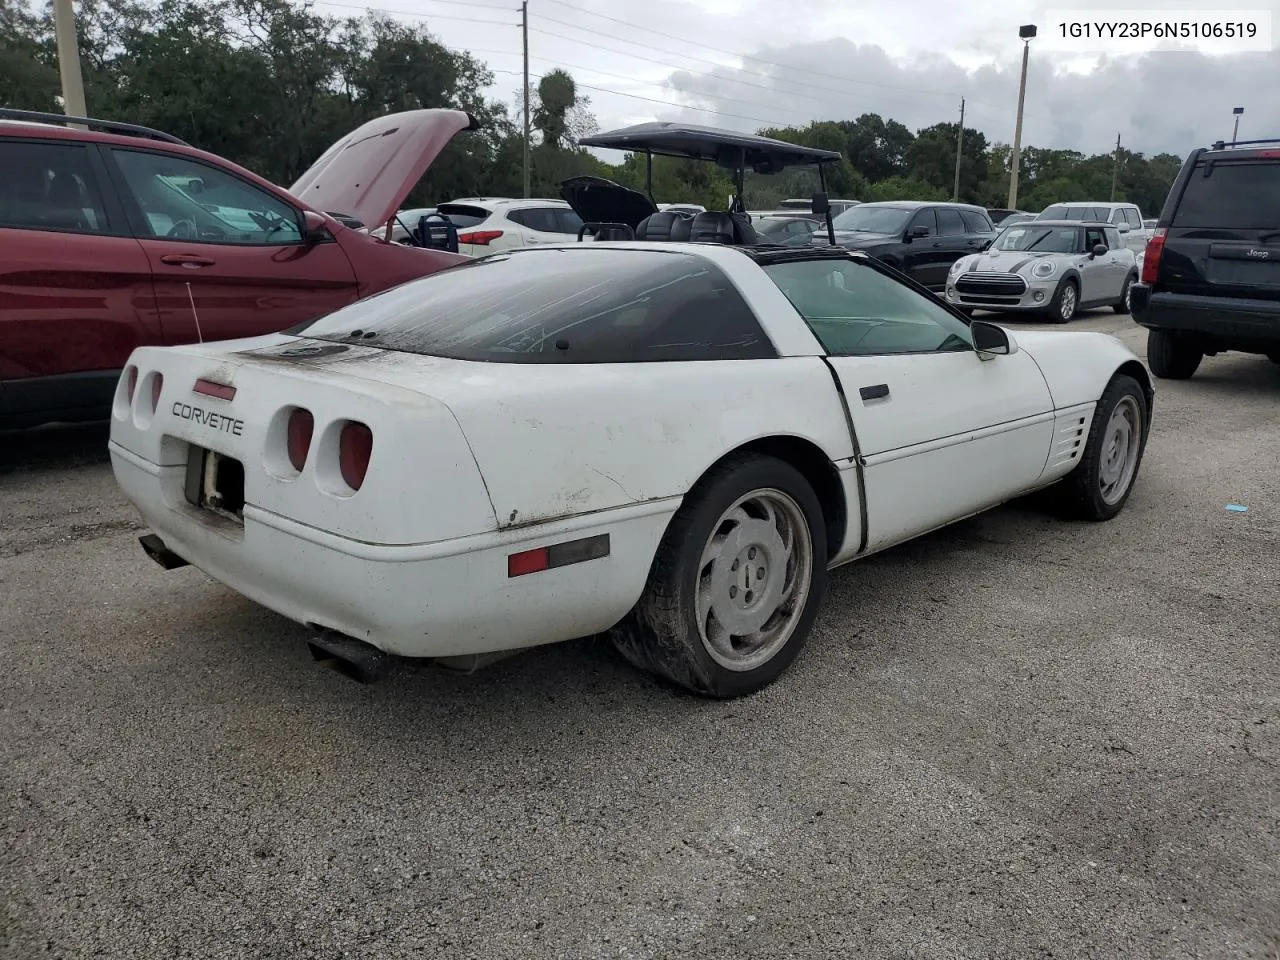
[(271, 83)]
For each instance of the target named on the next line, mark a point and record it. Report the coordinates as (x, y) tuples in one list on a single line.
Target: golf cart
[(611, 211)]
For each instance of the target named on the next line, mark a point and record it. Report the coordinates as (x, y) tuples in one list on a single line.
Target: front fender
[(1077, 365)]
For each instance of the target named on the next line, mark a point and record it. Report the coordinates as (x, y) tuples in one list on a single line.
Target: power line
[(668, 103), (420, 15), (744, 56)]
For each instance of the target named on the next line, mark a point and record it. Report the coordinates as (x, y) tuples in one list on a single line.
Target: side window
[(1093, 236), (49, 186), (925, 218), (182, 199), (567, 221), (975, 223), (1117, 216), (542, 219), (1131, 215), (1113, 240), (950, 223), (856, 311)]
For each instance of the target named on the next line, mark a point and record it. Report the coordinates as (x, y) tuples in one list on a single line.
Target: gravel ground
[(1013, 738)]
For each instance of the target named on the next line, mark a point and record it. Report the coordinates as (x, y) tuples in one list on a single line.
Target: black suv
[(919, 239), (1211, 274)]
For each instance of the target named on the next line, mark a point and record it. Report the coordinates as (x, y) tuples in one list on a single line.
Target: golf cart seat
[(711, 227), (664, 225)]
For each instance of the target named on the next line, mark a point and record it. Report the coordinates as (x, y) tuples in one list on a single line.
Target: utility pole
[(955, 191), (524, 29), (1115, 169), (64, 25), (1025, 32)]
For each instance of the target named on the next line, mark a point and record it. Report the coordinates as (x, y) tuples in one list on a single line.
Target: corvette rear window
[(580, 305)]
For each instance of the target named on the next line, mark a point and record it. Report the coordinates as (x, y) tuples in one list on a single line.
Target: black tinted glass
[(1235, 195), (561, 306)]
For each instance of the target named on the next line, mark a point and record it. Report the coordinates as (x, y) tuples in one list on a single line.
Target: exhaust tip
[(155, 548), (354, 659)]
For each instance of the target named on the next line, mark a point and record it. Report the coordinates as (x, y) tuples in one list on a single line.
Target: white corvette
[(670, 442)]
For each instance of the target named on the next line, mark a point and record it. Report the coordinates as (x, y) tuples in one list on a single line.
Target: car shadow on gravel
[(55, 447)]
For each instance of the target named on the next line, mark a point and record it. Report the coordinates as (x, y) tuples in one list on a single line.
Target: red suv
[(114, 236)]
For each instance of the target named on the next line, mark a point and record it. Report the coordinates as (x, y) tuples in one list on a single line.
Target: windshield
[(870, 219), (1039, 239), (578, 305)]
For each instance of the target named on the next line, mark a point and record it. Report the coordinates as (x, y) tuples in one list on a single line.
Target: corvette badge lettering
[(208, 418)]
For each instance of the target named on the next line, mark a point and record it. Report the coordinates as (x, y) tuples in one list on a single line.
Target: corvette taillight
[(1151, 257), (355, 447), (479, 237), (157, 384), (301, 426)]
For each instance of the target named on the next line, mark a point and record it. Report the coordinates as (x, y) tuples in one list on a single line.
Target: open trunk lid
[(597, 200), (368, 173)]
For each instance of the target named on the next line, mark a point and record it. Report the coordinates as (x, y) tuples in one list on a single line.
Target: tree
[(932, 159), (557, 95)]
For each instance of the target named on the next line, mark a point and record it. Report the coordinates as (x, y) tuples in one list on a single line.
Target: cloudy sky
[(793, 61)]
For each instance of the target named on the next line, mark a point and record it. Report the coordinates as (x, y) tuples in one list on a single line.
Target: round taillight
[(133, 382), (301, 425), (157, 384), (355, 447)]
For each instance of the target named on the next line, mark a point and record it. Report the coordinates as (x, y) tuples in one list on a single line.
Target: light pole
[(1026, 32), (1236, 130), (64, 25)]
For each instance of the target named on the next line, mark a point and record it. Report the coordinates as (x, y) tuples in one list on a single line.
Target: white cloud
[(911, 60)]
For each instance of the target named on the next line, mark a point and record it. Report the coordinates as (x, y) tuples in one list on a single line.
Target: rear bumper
[(450, 598), (1229, 320)]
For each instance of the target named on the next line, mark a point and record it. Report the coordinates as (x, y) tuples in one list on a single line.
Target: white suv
[(486, 224), (1125, 217)]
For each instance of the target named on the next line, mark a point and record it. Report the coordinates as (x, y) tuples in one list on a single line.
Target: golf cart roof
[(724, 147)]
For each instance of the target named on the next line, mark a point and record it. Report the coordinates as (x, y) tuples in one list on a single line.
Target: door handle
[(186, 260), (876, 392)]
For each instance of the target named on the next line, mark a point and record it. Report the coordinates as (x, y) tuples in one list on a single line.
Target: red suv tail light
[(479, 237), (301, 425), (1151, 257), (355, 446)]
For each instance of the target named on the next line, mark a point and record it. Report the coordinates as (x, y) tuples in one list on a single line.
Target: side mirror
[(920, 230), (1123, 227), (990, 340), (1099, 249), (821, 204), (315, 227), (986, 244)]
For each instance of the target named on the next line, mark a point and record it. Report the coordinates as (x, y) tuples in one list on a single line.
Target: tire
[(664, 635), (1065, 301), (1125, 304), (1099, 486), (1171, 358)]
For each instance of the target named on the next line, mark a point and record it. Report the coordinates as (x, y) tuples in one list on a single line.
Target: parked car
[(487, 224), (118, 236), (1125, 217), (999, 215), (1008, 221), (921, 239), (1054, 267), (805, 205), (788, 230), (405, 221), (1211, 276), (669, 442)]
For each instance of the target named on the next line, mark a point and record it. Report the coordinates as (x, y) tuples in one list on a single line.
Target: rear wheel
[(1170, 357), (1065, 300), (1126, 297), (1099, 486), (736, 583)]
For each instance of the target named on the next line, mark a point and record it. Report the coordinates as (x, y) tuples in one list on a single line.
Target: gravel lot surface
[(1014, 738)]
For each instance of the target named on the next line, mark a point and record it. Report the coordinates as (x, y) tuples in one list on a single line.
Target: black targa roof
[(695, 142)]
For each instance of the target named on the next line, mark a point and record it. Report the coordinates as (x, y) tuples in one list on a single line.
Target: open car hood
[(369, 172), (597, 200)]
